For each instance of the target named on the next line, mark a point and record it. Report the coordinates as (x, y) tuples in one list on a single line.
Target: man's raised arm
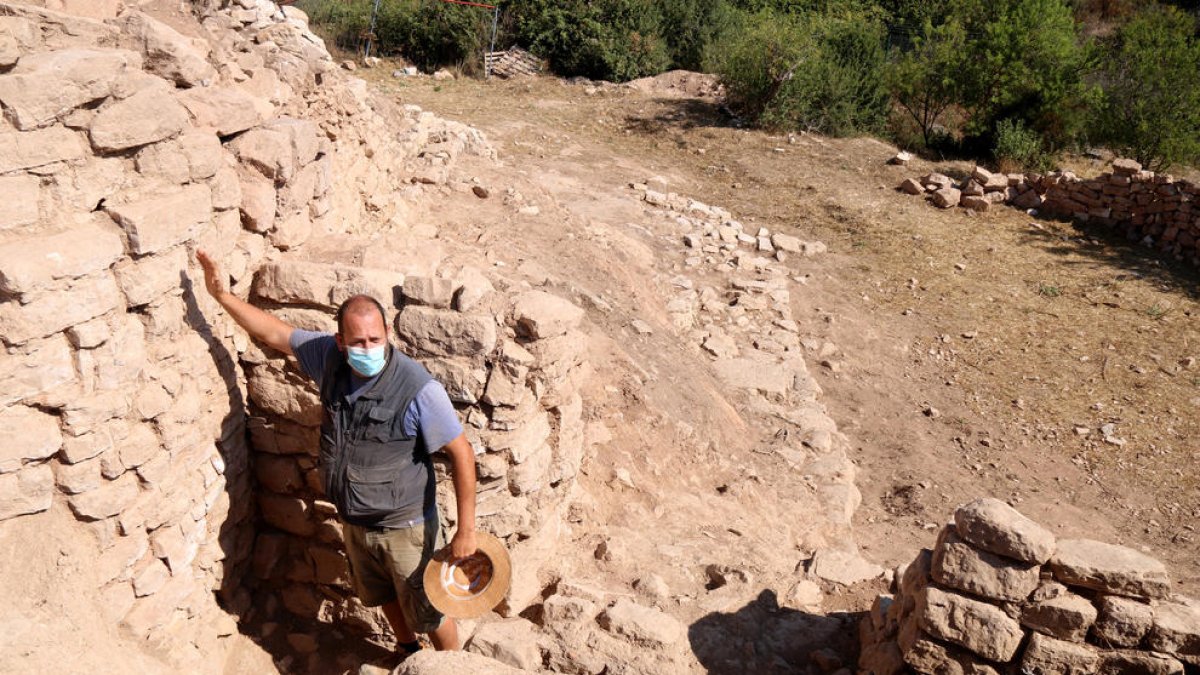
[(261, 326)]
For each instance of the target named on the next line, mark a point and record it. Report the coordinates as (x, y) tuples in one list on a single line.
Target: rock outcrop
[(999, 593)]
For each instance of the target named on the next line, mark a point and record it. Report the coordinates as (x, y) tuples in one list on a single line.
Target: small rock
[(901, 158), (349, 65), (480, 191)]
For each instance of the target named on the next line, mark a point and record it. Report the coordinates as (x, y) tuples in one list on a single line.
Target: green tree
[(601, 39), (1151, 80), (821, 72), (1024, 60), (924, 81)]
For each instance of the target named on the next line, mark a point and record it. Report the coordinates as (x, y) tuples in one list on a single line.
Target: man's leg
[(395, 616), (445, 637)]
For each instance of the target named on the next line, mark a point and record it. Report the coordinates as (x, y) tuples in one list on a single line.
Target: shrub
[(602, 39), (1151, 107), (818, 72), (1018, 147), (924, 81)]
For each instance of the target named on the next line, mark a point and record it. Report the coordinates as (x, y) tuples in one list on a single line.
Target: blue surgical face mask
[(367, 361)]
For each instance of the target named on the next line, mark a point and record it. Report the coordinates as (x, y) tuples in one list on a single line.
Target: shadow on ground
[(764, 638)]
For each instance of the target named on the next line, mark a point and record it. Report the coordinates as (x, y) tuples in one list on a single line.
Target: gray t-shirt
[(431, 416)]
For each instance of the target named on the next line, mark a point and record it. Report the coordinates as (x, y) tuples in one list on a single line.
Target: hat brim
[(476, 605)]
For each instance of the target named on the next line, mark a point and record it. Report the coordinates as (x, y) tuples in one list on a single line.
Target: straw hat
[(469, 587)]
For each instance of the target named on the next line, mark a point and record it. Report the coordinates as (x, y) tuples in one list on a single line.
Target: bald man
[(383, 417)]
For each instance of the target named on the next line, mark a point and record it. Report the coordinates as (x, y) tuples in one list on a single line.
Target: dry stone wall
[(124, 146), (999, 593), (1155, 210)]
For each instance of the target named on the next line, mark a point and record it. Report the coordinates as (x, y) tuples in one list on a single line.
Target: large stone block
[(149, 116), (1176, 629), (162, 219), (1128, 662), (194, 156), (977, 626), (145, 279), (446, 333), (52, 312), (20, 205), (108, 500), (46, 85), (35, 368), (462, 379), (268, 151), (994, 526), (168, 53), (289, 514), (538, 315), (431, 662), (511, 641), (28, 435), (1047, 656), (17, 36), (29, 490), (32, 149), (959, 565), (1122, 622), (258, 201), (640, 624), (1109, 568), (223, 110), (34, 263), (930, 657), (1066, 617)]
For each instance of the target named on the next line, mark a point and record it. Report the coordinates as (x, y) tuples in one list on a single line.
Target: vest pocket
[(371, 490)]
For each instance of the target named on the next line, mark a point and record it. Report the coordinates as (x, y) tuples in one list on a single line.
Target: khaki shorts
[(387, 564)]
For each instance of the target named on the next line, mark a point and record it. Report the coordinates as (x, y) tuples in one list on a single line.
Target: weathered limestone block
[(947, 197), (29, 435), (446, 333), (431, 662), (37, 262), (982, 628), (149, 116), (530, 475), (640, 624), (29, 490), (268, 151), (976, 203), (523, 441), (108, 500), (289, 514), (473, 288), (145, 279), (1066, 617), (540, 315), (1047, 656), (150, 579), (429, 291), (994, 526), (37, 367), (568, 445), (297, 282), (162, 219), (226, 190), (292, 231), (511, 641), (193, 156), (153, 611), (506, 386), (1109, 568), (78, 478), (223, 110), (52, 312), (139, 447), (278, 473), (258, 201), (20, 206), (1122, 622), (1125, 662), (463, 380), (912, 186), (842, 566), (169, 54), (285, 397), (17, 36), (928, 656), (1176, 629), (295, 195), (46, 85), (33, 149)]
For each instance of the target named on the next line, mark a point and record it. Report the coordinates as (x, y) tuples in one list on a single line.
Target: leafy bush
[(601, 39), (924, 81), (1018, 147), (818, 72), (1151, 81)]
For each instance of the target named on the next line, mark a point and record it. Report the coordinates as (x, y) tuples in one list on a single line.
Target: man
[(383, 415)]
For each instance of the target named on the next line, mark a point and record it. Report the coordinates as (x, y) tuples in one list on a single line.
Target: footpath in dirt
[(961, 355)]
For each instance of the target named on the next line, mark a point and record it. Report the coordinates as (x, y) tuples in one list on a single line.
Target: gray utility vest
[(376, 475)]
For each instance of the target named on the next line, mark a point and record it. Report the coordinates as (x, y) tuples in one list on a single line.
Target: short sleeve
[(433, 416), (311, 349)]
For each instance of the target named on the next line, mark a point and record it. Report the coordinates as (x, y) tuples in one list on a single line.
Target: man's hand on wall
[(214, 279)]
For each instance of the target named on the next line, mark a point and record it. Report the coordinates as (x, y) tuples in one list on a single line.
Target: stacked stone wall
[(1153, 209), (999, 593), (124, 146)]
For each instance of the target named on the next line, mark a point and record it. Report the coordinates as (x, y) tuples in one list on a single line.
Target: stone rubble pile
[(1155, 210), (512, 362), (124, 146), (745, 323), (999, 593)]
